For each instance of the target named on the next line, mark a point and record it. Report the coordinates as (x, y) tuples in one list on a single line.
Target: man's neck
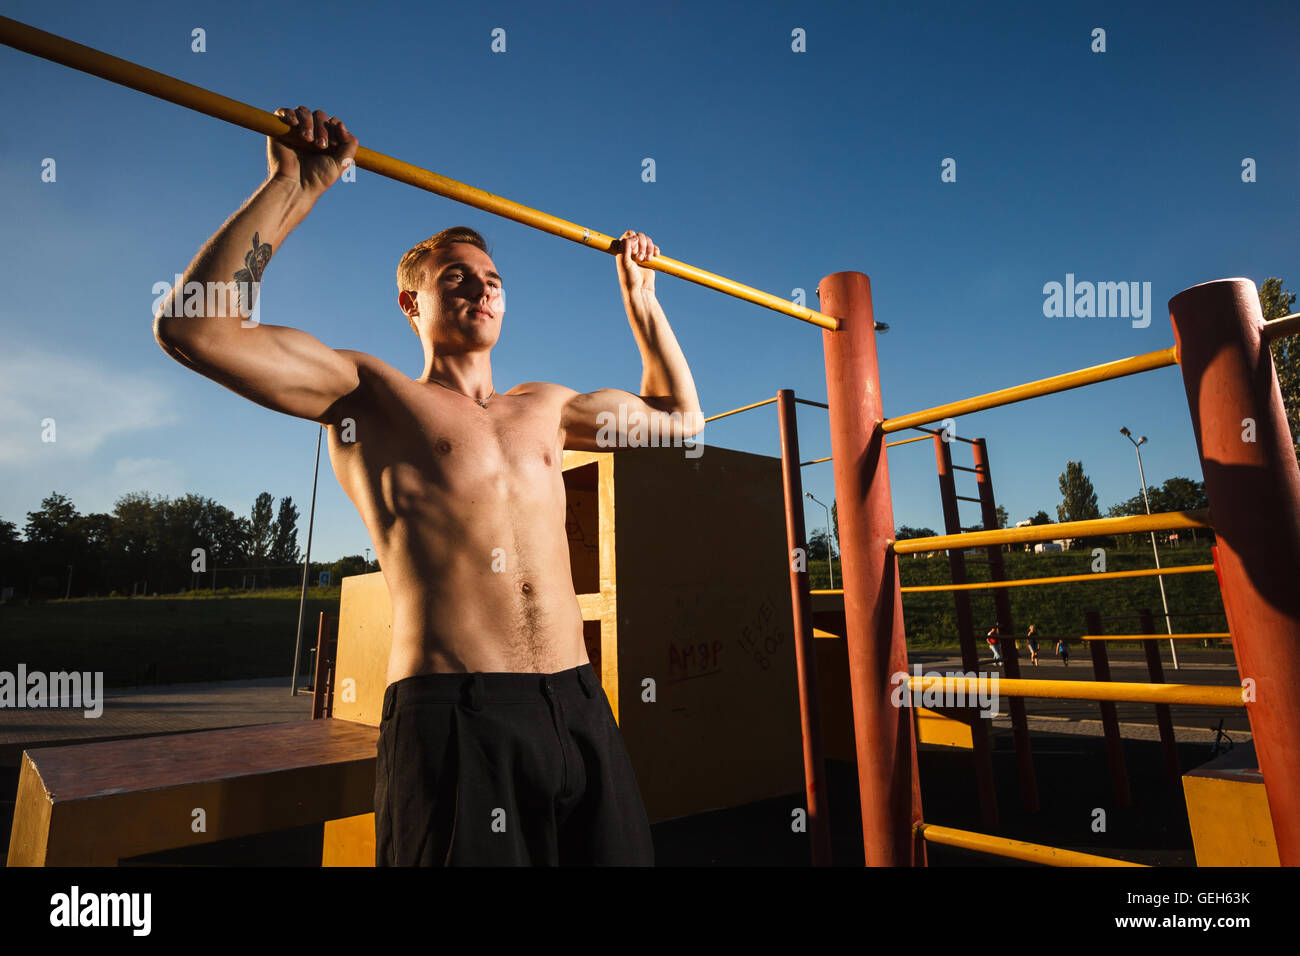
[(469, 373)]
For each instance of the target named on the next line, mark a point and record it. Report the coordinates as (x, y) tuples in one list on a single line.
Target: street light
[(367, 559), (830, 560), (1169, 627)]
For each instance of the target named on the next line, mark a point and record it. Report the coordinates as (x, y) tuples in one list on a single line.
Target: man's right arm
[(282, 368)]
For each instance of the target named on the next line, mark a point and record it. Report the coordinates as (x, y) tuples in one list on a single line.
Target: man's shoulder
[(543, 389)]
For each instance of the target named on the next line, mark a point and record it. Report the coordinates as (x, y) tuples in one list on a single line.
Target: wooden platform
[(94, 804), (1227, 810)]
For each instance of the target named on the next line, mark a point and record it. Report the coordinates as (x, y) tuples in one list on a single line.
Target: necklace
[(481, 402)]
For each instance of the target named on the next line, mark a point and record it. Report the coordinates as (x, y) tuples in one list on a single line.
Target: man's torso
[(466, 509)]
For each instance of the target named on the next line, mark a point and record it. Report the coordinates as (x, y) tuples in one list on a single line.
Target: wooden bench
[(95, 804)]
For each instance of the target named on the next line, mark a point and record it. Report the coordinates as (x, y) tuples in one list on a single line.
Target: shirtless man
[(497, 744)]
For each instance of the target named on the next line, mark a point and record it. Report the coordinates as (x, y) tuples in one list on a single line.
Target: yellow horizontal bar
[(1045, 386), (906, 441), (48, 46), (1280, 328), (1129, 524), (1155, 637), (743, 408), (1061, 579), (1015, 849), (816, 461), (1195, 694)]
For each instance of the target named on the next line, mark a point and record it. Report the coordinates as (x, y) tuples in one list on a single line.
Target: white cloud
[(89, 402)]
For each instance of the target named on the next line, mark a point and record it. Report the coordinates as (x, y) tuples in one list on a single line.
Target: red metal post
[(805, 654), (889, 786), (1164, 719), (1007, 641), (1253, 484), (988, 795), (1109, 717)]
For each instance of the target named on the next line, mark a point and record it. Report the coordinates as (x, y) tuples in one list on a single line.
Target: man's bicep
[(599, 420), (281, 368)]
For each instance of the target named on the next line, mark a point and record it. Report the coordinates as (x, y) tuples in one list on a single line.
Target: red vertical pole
[(970, 663), (1164, 719), (1109, 717), (1253, 484), (1007, 640), (805, 654), (888, 783)]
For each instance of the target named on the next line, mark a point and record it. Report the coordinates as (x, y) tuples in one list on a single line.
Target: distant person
[(993, 635), (1064, 650), (1031, 641)]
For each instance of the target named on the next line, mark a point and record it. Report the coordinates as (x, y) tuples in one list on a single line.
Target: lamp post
[(1169, 627), (306, 563), (830, 560), (367, 559)]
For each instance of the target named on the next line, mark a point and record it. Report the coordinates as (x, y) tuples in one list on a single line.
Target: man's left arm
[(667, 407)]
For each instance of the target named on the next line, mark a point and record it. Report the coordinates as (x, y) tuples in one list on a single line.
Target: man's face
[(461, 302)]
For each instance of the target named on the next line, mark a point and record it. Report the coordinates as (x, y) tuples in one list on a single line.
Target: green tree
[(261, 530), (284, 546), (1041, 518), (1176, 494), (54, 541), (11, 555), (1003, 517), (818, 546), (1078, 499), (1275, 303)]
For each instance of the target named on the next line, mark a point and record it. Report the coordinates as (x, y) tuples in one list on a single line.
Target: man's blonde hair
[(411, 266)]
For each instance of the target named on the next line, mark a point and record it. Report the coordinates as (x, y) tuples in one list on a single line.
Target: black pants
[(505, 770)]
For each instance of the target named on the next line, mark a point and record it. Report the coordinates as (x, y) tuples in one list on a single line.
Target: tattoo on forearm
[(255, 260)]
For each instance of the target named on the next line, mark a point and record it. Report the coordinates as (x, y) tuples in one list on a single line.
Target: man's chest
[(448, 441)]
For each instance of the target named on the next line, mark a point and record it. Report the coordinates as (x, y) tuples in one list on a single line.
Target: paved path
[(162, 709)]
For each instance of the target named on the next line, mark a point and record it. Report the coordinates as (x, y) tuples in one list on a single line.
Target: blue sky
[(774, 168)]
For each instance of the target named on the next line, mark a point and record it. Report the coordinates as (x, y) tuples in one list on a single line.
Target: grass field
[(200, 636), (230, 635)]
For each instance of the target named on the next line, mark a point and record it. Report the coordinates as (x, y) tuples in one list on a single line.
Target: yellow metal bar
[(826, 591), (906, 441), (1154, 637), (1061, 579), (1045, 386), (743, 408), (1198, 695), (1280, 328), (1130, 524), (1015, 849), (48, 46), (816, 461)]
